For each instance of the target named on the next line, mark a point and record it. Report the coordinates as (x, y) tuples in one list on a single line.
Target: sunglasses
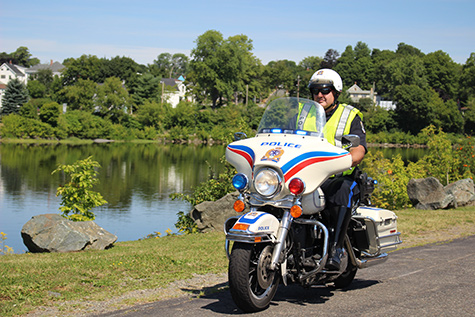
[(324, 91)]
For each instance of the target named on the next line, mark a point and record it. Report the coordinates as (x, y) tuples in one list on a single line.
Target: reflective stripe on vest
[(340, 123), (307, 112)]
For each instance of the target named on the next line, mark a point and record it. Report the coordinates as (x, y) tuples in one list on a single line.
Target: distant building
[(175, 90), (9, 71), (55, 67), (356, 93)]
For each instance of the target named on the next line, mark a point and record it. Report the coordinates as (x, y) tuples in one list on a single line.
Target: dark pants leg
[(340, 193)]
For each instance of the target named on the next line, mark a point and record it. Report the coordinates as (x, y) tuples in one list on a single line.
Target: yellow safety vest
[(336, 127)]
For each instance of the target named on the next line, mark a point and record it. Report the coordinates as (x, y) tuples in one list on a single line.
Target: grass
[(50, 279)]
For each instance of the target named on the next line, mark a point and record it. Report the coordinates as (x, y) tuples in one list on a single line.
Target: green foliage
[(16, 95), (79, 95), (77, 196), (49, 113), (36, 89), (84, 125), (444, 161), (186, 224), (15, 126)]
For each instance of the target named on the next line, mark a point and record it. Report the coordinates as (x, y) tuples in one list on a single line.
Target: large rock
[(463, 192), (54, 233), (428, 193), (211, 215)]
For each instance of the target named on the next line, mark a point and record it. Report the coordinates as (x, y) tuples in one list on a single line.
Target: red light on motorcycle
[(240, 226), (296, 186), (239, 205), (296, 211)]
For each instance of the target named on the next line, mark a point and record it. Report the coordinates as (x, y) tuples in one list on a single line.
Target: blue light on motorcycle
[(301, 132), (240, 181), (276, 130)]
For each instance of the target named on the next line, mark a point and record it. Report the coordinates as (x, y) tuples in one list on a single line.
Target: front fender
[(252, 227)]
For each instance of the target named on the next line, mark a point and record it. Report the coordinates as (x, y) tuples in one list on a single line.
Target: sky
[(292, 30)]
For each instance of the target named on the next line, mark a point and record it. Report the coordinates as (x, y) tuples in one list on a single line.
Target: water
[(135, 179)]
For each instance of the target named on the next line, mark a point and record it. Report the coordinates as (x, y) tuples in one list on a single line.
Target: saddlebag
[(380, 226)]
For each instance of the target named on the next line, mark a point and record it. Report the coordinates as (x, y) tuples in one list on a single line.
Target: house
[(55, 67), (356, 93), (9, 71), (173, 90)]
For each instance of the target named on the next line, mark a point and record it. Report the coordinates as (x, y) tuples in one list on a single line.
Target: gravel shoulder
[(206, 284)]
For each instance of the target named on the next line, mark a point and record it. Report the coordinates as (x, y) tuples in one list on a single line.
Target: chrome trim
[(246, 238), (323, 260), (280, 241)]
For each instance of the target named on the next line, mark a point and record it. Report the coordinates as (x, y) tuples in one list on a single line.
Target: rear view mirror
[(350, 140)]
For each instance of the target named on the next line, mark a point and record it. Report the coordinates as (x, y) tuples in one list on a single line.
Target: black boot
[(336, 244)]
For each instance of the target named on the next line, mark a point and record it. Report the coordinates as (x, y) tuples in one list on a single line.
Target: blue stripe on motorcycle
[(306, 156), (246, 149), (250, 221)]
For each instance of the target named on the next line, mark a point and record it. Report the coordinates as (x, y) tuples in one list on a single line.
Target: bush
[(84, 125), (77, 196), (15, 126)]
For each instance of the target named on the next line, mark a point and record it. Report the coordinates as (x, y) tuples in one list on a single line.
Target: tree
[(311, 63), (355, 65), (330, 59), (221, 68), (20, 57), (85, 67), (36, 89), (406, 70), (16, 94), (79, 96), (404, 49), (147, 87), (442, 74), (170, 66), (467, 80), (280, 75), (381, 76), (113, 100), (413, 109)]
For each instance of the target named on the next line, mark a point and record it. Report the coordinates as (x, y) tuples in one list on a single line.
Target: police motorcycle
[(282, 235)]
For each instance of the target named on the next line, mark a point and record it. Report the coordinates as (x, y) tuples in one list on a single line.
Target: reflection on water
[(135, 179)]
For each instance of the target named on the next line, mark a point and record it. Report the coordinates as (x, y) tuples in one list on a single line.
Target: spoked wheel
[(251, 282)]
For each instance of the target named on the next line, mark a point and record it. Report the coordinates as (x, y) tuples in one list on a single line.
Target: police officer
[(340, 191)]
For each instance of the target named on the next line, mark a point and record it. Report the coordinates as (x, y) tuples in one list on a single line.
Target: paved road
[(433, 280)]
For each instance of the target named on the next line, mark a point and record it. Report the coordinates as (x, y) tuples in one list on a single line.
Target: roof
[(355, 89), (54, 67), (15, 69), (171, 82)]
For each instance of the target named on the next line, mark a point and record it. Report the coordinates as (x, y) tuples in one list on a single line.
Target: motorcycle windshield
[(292, 115)]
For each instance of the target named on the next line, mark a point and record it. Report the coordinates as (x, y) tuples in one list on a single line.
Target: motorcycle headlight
[(267, 182)]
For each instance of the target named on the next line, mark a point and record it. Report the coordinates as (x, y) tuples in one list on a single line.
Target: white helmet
[(326, 77)]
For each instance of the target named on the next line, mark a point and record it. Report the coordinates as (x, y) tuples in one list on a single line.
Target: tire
[(245, 282), (345, 279)]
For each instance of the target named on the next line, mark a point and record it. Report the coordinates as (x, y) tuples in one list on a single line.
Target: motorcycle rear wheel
[(248, 271)]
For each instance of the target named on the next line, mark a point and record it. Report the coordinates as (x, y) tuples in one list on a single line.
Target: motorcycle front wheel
[(251, 283)]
